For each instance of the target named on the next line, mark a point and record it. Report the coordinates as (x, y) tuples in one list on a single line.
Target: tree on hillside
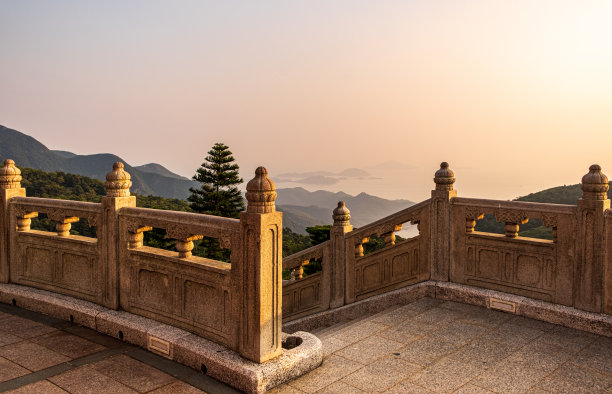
[(218, 194)]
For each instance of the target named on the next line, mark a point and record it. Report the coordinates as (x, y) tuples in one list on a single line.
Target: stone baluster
[(63, 225), (118, 183), (185, 245), (259, 275), (359, 247), (10, 186), (24, 220), (471, 216), (342, 225), (589, 267), (440, 224), (512, 221), (136, 236), (389, 238)]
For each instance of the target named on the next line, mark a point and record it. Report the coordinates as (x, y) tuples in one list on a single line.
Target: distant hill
[(148, 179), (558, 195), (302, 208), (312, 208)]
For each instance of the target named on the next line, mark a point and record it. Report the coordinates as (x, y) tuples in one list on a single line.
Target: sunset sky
[(515, 95)]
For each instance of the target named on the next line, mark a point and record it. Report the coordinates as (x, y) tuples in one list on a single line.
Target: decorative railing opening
[(530, 227)]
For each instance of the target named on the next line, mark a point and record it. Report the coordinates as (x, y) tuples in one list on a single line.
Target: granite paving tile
[(423, 304), (339, 388), (596, 356), (407, 331), (437, 316), (382, 374), (570, 378), (482, 353), (540, 355), (67, 344), (177, 387), (332, 344), (427, 350), (568, 338), (85, 380), (531, 323), (471, 389), (405, 386), (369, 349), (31, 355), (459, 307), (9, 370), (512, 335), (24, 328), (394, 316), (359, 331), (133, 373), (446, 375), (486, 317), (507, 377), (7, 339), (458, 332), (40, 387), (331, 370), (284, 389)]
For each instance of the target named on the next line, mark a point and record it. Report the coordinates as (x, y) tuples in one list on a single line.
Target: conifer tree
[(218, 194)]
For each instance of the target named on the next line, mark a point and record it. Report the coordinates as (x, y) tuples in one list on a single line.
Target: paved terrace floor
[(426, 346), (40, 354), (434, 346)]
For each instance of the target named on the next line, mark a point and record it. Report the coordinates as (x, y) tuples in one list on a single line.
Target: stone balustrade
[(573, 269), (236, 304)]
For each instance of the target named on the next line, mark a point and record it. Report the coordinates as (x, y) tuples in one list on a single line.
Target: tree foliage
[(218, 193)]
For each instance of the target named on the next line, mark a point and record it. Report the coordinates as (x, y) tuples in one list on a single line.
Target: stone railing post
[(10, 186), (440, 222), (607, 283), (260, 277), (118, 183), (589, 268), (341, 226)]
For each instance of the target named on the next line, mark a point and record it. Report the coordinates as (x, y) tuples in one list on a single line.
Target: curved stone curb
[(596, 323), (179, 345)]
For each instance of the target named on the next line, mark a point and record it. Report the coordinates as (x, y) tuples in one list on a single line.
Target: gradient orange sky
[(516, 95)]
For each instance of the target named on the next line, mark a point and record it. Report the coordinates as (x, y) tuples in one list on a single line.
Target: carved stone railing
[(58, 261), (236, 304), (574, 268), (187, 291), (305, 295), (393, 266), (607, 307), (536, 268)]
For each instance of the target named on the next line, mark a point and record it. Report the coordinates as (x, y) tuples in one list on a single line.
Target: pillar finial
[(444, 177), (10, 176), (261, 193), (595, 184), (341, 215), (118, 182)]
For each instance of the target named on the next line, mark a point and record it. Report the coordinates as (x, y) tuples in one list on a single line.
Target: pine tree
[(218, 194)]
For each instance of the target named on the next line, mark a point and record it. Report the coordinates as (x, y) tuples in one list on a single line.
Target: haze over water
[(516, 96)]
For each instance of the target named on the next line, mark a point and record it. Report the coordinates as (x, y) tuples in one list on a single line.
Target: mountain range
[(301, 208), (148, 179)]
